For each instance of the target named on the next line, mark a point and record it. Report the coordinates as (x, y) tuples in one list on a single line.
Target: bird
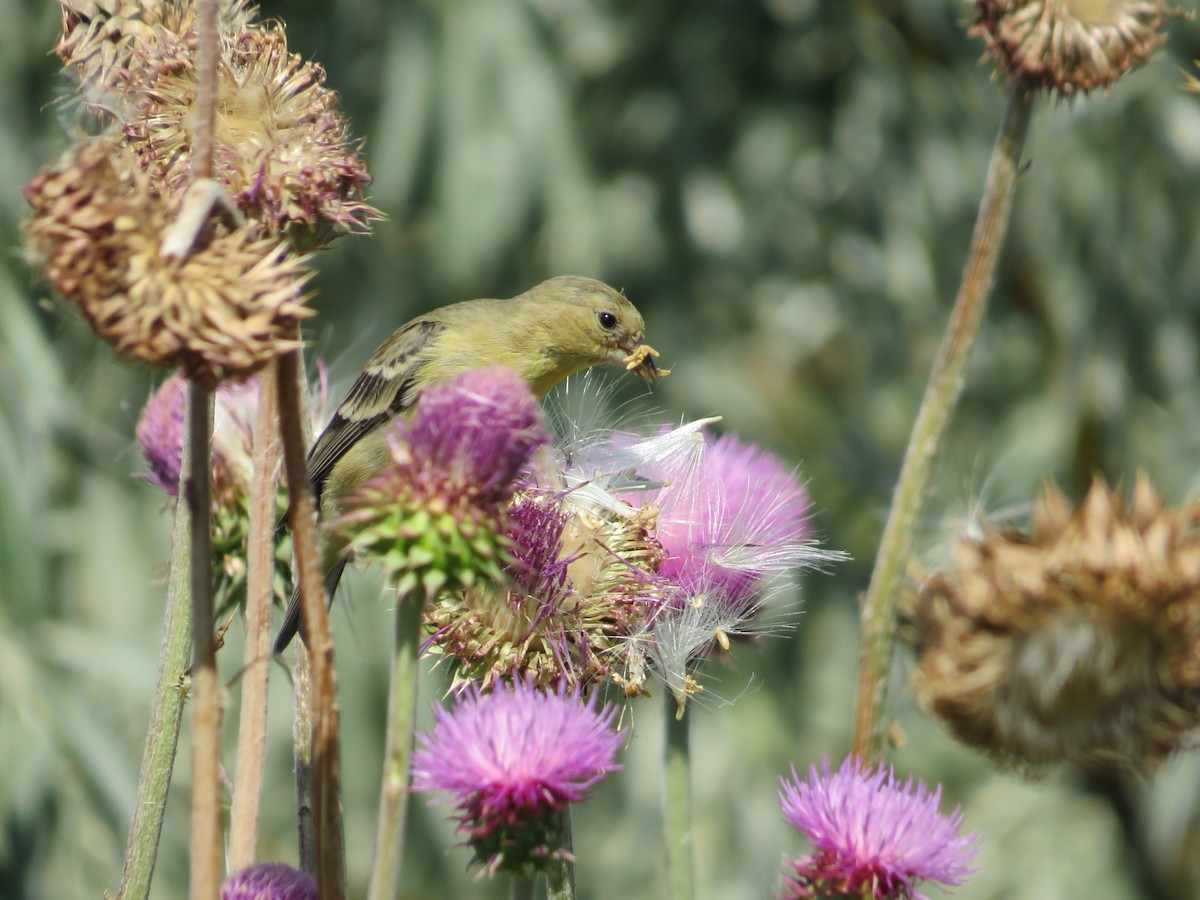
[(554, 329)]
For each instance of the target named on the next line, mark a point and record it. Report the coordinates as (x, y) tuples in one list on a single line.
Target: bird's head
[(594, 323)]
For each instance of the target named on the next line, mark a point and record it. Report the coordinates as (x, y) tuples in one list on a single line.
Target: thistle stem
[(397, 754), (252, 724), (166, 713), (941, 395), (206, 691), (326, 761), (560, 873), (302, 737), (302, 726), (677, 764)]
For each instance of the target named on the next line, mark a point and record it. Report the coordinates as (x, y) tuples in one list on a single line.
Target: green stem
[(941, 395), (678, 801), (166, 713), (402, 717), (206, 690), (260, 561), (560, 873)]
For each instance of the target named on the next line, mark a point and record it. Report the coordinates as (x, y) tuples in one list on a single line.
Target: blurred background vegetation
[(786, 188)]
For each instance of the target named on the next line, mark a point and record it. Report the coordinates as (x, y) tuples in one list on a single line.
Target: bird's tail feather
[(291, 619)]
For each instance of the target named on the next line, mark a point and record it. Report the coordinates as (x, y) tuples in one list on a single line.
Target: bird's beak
[(639, 358)]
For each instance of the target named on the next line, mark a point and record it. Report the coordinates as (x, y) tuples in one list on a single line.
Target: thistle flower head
[(509, 760), (730, 521), (1076, 640), (733, 521), (160, 433), (540, 623), (473, 437), (280, 145), (96, 231), (281, 148), (269, 881), (434, 516), (873, 836), (103, 41), (495, 630), (1070, 46)]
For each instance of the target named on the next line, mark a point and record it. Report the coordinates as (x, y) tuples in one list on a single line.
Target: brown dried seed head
[(1070, 46), (280, 146), (103, 41), (1077, 641), (96, 231)]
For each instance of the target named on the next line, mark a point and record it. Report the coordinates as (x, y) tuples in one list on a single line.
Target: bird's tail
[(291, 619)]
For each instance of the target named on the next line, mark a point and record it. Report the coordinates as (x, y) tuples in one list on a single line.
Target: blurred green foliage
[(787, 189)]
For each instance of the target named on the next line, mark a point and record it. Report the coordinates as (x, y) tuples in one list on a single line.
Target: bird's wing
[(384, 389)]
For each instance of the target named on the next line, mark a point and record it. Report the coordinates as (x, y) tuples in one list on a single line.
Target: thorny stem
[(677, 765), (166, 714), (397, 753), (206, 752), (260, 589), (326, 762), (941, 395)]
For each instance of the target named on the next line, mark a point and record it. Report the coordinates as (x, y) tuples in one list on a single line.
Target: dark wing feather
[(384, 389)]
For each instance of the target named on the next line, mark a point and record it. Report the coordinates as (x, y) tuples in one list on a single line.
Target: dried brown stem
[(206, 751), (252, 724), (315, 629), (206, 691)]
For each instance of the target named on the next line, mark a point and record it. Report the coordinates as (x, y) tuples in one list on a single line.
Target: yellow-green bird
[(559, 327)]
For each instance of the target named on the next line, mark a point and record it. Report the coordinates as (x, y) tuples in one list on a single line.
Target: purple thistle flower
[(535, 530), (874, 837), (512, 758), (435, 515), (160, 433), (733, 521), (474, 435), (269, 881)]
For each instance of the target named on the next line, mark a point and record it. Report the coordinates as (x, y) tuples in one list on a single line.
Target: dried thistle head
[(280, 146), (1070, 46), (105, 41), (96, 230), (1076, 641)]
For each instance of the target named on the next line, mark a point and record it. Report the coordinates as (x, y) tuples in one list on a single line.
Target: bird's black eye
[(608, 320)]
